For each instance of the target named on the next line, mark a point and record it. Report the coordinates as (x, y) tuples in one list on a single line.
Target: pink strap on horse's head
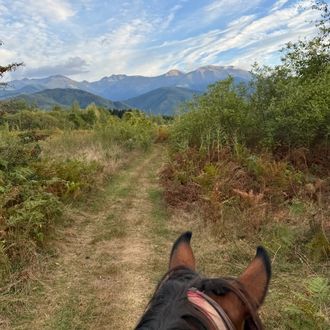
[(210, 309)]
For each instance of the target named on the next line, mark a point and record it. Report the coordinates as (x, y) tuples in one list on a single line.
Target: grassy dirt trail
[(108, 259)]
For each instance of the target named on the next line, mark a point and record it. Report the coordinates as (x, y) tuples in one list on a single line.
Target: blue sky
[(89, 39)]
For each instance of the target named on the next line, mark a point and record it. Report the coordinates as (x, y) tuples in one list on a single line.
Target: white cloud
[(278, 4), (170, 17), (246, 40), (71, 66), (134, 41), (3, 9), (129, 34), (227, 7), (51, 9), (6, 56), (54, 10), (242, 20)]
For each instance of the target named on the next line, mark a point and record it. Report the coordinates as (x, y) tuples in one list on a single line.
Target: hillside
[(29, 89), (162, 101), (66, 96)]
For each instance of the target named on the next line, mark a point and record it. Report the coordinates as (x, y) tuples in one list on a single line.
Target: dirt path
[(109, 259)]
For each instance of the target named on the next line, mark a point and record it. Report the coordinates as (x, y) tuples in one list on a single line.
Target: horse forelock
[(169, 307)]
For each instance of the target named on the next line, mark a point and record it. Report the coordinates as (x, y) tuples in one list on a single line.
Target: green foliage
[(75, 106), (32, 192), (214, 118), (12, 106), (134, 130), (309, 306), (296, 113), (29, 120), (33, 216), (318, 246), (285, 107), (291, 101), (309, 58), (67, 178), (27, 209), (38, 177)]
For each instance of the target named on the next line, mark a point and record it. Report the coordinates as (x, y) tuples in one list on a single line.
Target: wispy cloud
[(279, 4), (222, 8), (128, 34), (91, 39), (71, 66), (6, 56), (55, 10), (51, 9), (245, 41)]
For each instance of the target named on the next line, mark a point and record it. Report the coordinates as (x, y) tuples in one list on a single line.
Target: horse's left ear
[(182, 254), (257, 275)]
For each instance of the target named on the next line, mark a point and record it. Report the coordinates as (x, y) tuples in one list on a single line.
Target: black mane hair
[(169, 307)]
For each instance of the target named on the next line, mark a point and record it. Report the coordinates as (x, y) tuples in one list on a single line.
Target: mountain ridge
[(118, 87)]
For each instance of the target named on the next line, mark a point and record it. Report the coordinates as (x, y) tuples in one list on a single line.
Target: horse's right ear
[(255, 281), (182, 254)]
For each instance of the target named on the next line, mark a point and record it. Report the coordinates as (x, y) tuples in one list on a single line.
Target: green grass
[(111, 227), (75, 313)]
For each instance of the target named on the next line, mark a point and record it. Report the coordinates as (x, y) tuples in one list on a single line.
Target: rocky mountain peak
[(174, 73)]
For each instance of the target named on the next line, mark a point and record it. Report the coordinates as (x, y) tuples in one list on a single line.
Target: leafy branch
[(8, 68)]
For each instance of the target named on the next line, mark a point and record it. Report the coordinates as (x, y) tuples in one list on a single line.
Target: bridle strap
[(220, 321)]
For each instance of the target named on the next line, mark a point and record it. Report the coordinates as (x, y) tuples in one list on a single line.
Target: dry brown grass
[(84, 146), (241, 201)]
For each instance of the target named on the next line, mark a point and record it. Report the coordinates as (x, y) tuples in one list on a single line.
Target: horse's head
[(185, 300)]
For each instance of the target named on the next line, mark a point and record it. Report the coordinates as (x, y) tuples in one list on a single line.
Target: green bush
[(283, 108), (27, 210), (67, 178), (32, 192), (36, 181), (133, 130), (29, 120), (308, 308), (297, 113)]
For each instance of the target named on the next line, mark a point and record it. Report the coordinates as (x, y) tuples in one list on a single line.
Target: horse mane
[(169, 307)]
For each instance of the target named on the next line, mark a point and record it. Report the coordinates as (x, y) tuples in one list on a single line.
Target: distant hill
[(65, 97), (162, 101), (29, 89), (121, 87)]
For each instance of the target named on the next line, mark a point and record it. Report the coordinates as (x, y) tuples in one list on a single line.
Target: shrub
[(68, 178), (32, 192), (27, 210), (30, 120)]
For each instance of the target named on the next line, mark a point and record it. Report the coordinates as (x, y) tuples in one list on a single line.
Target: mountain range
[(158, 94)]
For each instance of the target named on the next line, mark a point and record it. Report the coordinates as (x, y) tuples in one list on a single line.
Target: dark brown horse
[(184, 300)]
